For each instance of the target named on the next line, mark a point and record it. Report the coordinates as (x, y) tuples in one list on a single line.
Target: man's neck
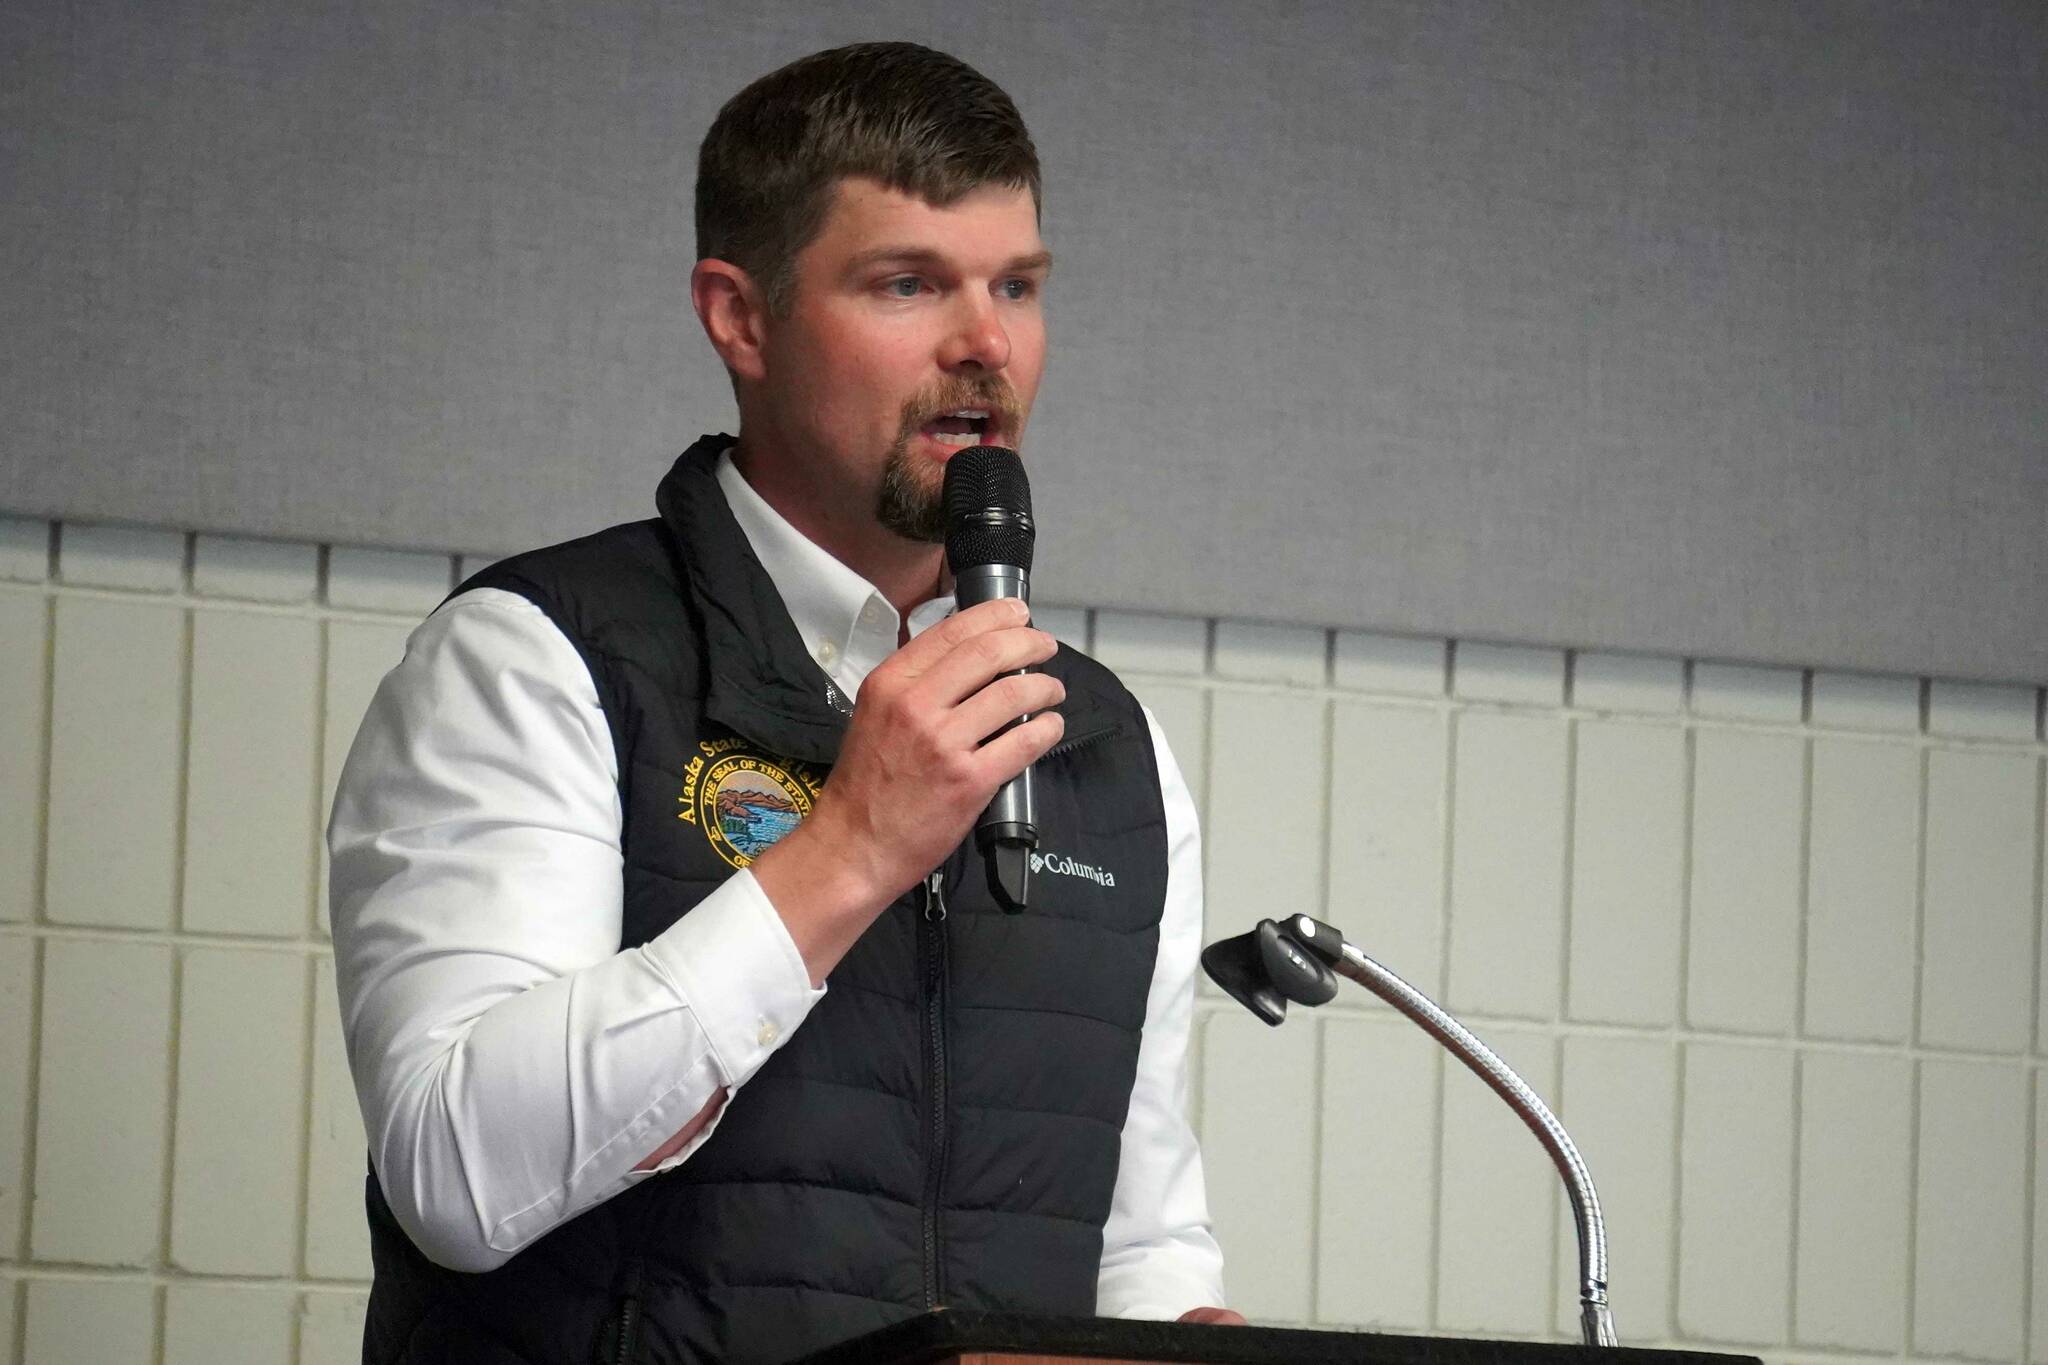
[(908, 573)]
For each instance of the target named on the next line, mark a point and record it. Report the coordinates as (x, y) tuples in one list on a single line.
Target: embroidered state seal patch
[(742, 800)]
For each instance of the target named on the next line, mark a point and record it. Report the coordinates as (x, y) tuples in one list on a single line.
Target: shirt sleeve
[(1159, 1258), (512, 1063)]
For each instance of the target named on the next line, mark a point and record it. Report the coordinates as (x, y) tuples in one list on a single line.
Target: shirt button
[(767, 1034), (827, 652), (870, 614)]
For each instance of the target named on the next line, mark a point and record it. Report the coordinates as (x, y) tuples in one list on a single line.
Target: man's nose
[(978, 338)]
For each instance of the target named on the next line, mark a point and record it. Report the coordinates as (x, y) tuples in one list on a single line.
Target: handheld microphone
[(989, 536)]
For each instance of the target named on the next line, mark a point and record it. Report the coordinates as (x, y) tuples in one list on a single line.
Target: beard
[(912, 507), (911, 500)]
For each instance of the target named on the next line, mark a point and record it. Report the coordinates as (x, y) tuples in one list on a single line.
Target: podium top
[(940, 1336)]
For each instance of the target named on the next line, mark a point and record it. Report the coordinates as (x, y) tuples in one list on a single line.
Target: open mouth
[(960, 427)]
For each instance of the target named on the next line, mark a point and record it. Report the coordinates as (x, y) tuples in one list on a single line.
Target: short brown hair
[(918, 121)]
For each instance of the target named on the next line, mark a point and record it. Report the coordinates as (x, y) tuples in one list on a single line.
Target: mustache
[(993, 394)]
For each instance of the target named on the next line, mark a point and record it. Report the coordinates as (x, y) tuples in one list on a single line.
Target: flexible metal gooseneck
[(1265, 969)]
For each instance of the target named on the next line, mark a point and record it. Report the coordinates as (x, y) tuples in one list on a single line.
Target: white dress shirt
[(512, 1064)]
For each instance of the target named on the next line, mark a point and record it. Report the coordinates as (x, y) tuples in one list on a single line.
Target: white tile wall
[(241, 1081), (1855, 1136), (1496, 1202), (1766, 944), (1399, 664), (250, 795), (1507, 864), (1628, 682), (17, 1056), (116, 750), (1742, 968), (104, 1322), (1969, 1280), (1386, 848), (1380, 1087), (24, 626), (1628, 872), (102, 1103), (228, 1325), (1977, 948), (1862, 889), (1735, 1194)]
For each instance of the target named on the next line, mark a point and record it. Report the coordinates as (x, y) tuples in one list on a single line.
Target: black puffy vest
[(944, 1127)]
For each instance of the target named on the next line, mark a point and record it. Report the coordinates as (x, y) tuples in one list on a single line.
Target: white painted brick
[(90, 1322), (331, 1329), (1745, 692), (24, 549), (1735, 1194), (250, 788), (1507, 673), (255, 570), (1068, 625), (1866, 701), (114, 763), (10, 1293), (337, 1241), (24, 663), (1259, 652), (17, 1037), (1968, 1285), (1619, 1101), (1136, 642), (1977, 947), (1862, 883), (2038, 1336), (1494, 1254), (142, 559), (1386, 852), (1743, 953), (1628, 859), (1404, 665), (241, 1083), (1981, 710), (1260, 1173), (104, 1080), (386, 580), (1379, 1139), (469, 566), (359, 654), (1855, 1171), (1642, 683), (1182, 711), (228, 1325), (1265, 830), (1507, 865)]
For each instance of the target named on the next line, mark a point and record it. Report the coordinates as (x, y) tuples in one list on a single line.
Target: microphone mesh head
[(988, 509)]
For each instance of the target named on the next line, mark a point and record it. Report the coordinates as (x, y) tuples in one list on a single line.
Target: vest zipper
[(1070, 743), (932, 949), (629, 1317)]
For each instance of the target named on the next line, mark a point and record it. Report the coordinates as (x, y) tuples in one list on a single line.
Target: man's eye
[(903, 287), (1018, 290)]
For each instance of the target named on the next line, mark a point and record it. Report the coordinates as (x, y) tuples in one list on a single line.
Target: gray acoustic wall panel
[(1713, 328)]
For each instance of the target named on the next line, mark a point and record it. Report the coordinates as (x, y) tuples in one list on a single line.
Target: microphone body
[(989, 540)]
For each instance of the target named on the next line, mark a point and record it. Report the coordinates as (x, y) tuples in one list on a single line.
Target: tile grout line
[(1446, 889), (309, 981), (46, 759)]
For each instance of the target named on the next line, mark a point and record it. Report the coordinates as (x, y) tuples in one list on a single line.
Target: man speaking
[(684, 1024)]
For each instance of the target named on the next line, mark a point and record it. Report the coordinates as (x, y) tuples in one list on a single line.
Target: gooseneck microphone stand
[(1293, 959)]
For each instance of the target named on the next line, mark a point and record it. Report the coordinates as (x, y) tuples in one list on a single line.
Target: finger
[(936, 642), (1001, 702), (970, 666), (1011, 752)]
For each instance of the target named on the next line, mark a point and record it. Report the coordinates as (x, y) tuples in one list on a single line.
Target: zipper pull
[(935, 896)]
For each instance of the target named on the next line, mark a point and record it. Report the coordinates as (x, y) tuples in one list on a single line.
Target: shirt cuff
[(732, 961)]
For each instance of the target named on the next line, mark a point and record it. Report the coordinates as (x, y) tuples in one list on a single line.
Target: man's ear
[(734, 314)]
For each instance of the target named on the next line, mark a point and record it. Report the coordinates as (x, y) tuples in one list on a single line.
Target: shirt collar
[(845, 622)]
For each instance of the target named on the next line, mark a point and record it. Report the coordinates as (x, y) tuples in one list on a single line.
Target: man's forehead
[(868, 221)]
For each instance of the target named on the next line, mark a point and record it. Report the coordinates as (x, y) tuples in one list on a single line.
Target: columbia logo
[(1062, 866)]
